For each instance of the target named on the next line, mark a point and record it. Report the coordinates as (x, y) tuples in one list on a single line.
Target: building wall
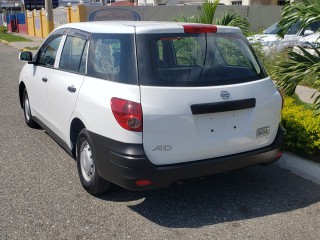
[(259, 17), (2, 21)]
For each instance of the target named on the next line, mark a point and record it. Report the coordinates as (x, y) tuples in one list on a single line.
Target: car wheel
[(27, 111), (89, 177)]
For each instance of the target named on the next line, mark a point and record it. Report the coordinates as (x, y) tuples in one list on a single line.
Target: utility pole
[(49, 15)]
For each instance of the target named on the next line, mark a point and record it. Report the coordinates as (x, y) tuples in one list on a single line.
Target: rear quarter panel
[(94, 109)]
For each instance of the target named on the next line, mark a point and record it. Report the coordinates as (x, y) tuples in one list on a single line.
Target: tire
[(27, 111), (88, 174)]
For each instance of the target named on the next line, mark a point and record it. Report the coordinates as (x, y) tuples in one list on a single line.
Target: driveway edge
[(300, 166)]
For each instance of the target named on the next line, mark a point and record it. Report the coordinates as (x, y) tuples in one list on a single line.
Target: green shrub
[(3, 29), (302, 130)]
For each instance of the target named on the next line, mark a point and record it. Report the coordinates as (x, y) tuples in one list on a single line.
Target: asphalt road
[(41, 196)]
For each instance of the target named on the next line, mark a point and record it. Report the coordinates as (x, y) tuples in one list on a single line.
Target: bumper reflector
[(143, 183), (278, 155)]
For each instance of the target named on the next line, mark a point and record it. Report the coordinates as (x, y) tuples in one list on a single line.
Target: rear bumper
[(123, 163)]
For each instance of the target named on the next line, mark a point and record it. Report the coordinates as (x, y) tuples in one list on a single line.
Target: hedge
[(302, 130), (3, 29)]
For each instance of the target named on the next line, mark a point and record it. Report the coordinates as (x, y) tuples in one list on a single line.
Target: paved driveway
[(41, 196)]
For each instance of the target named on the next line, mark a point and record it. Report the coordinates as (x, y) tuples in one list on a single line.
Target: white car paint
[(272, 43), (168, 121), (166, 110), (93, 105), (38, 93), (171, 133), (310, 41)]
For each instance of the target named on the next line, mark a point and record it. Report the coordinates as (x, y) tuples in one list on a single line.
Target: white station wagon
[(145, 104)]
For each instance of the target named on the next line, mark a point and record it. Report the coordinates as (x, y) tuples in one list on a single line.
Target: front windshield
[(295, 28), (273, 29)]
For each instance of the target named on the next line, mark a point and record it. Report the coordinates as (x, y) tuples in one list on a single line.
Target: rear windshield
[(196, 60)]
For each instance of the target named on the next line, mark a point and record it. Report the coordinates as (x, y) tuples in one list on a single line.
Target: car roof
[(138, 27)]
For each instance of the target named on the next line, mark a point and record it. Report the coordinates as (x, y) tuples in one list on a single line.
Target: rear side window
[(72, 54), (112, 57), (196, 60), (313, 27)]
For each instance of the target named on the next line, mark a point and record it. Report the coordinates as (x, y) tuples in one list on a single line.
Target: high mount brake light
[(127, 113), (199, 29)]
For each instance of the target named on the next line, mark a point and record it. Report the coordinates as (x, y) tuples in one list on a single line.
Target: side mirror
[(25, 56), (307, 32)]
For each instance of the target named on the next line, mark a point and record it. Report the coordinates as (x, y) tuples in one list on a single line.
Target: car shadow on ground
[(244, 194)]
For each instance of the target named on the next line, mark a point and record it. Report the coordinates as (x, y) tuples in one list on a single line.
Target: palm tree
[(307, 11), (230, 18), (292, 72), (301, 63)]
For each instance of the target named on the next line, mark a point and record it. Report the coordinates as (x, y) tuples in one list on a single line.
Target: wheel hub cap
[(86, 161), (27, 108)]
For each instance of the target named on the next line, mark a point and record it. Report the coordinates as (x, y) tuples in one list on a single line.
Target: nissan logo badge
[(225, 95)]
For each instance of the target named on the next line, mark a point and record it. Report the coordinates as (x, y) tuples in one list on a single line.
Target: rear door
[(66, 82), (204, 96)]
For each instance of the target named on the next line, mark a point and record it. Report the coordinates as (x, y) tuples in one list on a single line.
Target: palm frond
[(306, 11), (208, 11), (292, 72), (182, 18), (233, 18)]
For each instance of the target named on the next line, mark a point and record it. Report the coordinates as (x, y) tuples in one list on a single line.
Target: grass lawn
[(12, 38), (32, 48)]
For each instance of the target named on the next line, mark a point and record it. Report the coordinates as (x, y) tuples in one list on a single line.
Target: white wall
[(260, 17)]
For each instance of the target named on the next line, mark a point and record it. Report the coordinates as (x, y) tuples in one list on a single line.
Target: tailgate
[(189, 124)]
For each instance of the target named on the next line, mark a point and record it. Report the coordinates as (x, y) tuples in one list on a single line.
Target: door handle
[(72, 89), (44, 79)]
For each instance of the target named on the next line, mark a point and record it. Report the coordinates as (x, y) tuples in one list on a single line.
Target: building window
[(236, 2), (281, 2)]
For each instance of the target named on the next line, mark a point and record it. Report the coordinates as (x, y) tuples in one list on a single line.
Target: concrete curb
[(300, 166), (5, 42)]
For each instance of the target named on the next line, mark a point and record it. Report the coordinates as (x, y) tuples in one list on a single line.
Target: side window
[(48, 52), (315, 27), (112, 57), (72, 53), (105, 58)]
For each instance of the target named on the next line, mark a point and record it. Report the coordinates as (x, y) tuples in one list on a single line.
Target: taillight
[(200, 28), (279, 154), (127, 113)]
